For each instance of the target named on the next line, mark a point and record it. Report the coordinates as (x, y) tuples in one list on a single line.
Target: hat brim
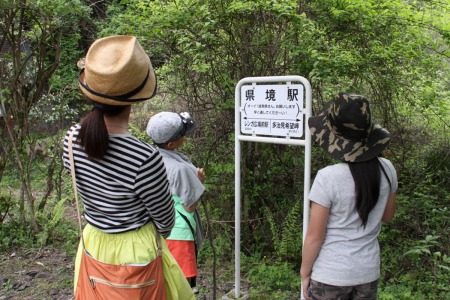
[(146, 93), (344, 149), (190, 127)]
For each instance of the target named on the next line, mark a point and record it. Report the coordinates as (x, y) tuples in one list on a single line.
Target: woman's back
[(341, 255), (349, 254), (120, 190)]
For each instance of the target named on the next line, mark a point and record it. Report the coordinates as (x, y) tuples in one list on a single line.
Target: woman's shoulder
[(333, 174), (386, 162), (135, 142), (335, 168), (133, 147), (75, 128)]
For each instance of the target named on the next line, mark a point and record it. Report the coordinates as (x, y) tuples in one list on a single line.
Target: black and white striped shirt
[(126, 189)]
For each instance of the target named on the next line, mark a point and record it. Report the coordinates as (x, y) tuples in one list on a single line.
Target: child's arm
[(191, 208)]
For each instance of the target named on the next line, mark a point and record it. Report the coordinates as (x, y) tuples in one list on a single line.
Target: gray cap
[(165, 126)]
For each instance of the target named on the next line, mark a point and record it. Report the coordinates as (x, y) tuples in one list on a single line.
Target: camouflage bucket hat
[(345, 130)]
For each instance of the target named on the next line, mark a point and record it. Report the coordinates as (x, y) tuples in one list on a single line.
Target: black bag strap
[(189, 223)]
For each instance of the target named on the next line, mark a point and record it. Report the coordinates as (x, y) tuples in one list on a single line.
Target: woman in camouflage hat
[(341, 255)]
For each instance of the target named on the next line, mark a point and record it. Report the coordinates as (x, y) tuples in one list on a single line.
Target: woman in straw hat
[(122, 181), (341, 255)]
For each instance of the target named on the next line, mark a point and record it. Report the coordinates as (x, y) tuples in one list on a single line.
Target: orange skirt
[(184, 254)]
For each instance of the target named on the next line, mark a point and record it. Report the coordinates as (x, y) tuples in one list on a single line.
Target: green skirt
[(134, 247)]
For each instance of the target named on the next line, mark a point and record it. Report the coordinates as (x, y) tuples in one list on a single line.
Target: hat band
[(124, 97)]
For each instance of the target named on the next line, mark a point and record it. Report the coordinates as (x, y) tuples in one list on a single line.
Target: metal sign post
[(270, 110)]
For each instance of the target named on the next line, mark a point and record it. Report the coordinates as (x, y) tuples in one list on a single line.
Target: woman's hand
[(305, 284)]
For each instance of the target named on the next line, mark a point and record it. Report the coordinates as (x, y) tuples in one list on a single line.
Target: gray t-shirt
[(182, 175), (350, 253)]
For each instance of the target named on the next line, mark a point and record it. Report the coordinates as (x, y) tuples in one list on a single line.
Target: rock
[(17, 286), (32, 273), (231, 296), (42, 275), (53, 292), (229, 286)]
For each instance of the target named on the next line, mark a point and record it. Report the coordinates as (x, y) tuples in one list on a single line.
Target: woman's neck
[(118, 124)]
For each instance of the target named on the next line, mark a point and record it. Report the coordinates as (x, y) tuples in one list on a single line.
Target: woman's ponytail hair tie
[(99, 108)]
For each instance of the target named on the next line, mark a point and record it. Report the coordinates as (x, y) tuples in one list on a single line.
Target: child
[(168, 131)]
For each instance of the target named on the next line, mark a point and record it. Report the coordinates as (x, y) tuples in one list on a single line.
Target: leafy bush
[(13, 236), (274, 278), (400, 292), (414, 248), (5, 205)]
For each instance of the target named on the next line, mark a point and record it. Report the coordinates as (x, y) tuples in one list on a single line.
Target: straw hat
[(345, 130), (117, 71)]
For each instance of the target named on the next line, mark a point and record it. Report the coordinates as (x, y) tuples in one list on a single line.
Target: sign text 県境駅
[(274, 110)]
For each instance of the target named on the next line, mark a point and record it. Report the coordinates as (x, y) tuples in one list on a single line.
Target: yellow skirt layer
[(134, 247)]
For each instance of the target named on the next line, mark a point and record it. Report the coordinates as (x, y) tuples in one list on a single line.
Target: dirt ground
[(39, 274), (48, 274)]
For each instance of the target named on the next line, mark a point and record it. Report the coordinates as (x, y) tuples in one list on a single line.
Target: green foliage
[(14, 235), (5, 205), (274, 278), (31, 52), (287, 245), (50, 221), (223, 244), (139, 133), (424, 253), (417, 267), (400, 292)]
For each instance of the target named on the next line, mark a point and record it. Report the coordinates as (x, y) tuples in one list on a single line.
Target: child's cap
[(165, 127)]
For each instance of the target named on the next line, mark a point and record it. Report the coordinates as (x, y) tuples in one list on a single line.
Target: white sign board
[(274, 110), (273, 106)]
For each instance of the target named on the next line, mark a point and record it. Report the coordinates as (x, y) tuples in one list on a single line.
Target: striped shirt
[(126, 189)]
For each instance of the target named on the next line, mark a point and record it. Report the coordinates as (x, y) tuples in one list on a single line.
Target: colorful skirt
[(134, 247)]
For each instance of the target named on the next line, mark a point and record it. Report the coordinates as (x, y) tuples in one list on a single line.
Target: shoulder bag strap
[(74, 182), (158, 241), (188, 222)]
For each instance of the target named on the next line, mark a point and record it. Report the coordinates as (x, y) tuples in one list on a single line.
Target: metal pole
[(307, 179), (237, 194)]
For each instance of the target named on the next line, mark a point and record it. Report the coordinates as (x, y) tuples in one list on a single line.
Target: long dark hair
[(367, 177), (93, 135)]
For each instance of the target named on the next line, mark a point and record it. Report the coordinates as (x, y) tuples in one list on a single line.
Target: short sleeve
[(187, 186), (391, 173), (318, 193)]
